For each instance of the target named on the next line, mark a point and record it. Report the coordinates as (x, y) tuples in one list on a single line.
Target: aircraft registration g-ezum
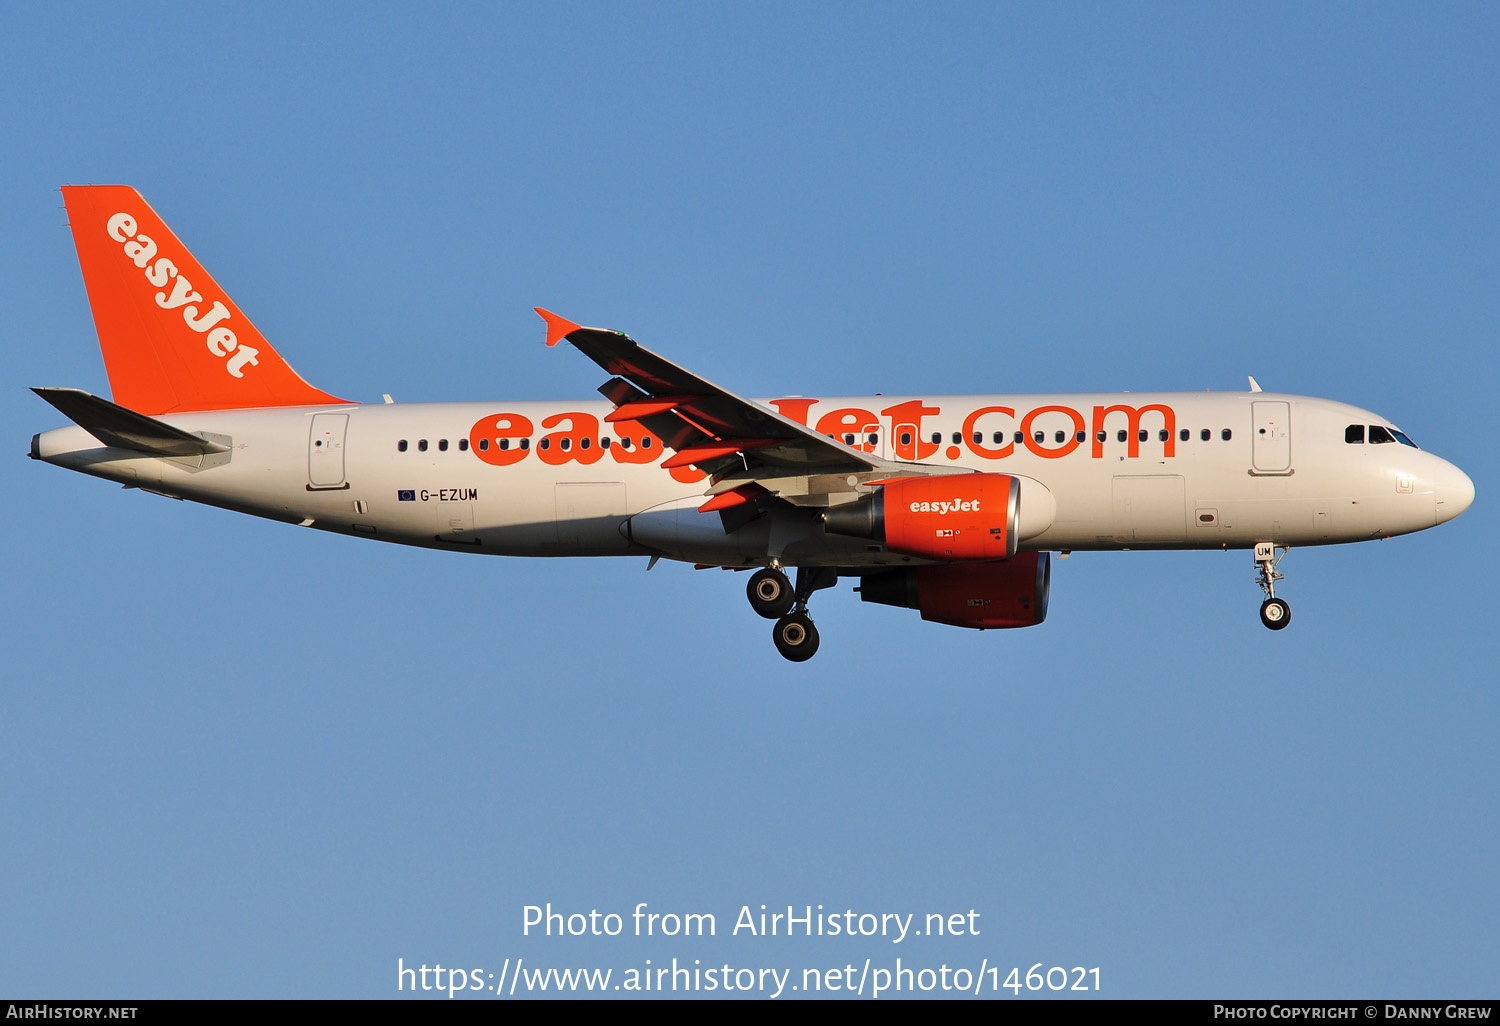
[(950, 505)]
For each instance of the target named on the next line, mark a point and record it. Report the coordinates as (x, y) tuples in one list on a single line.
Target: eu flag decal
[(406, 495)]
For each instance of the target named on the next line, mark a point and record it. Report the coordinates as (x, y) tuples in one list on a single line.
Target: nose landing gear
[(794, 634), (1274, 612)]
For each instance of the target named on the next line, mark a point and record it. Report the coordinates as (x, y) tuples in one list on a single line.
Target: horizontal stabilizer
[(115, 425)]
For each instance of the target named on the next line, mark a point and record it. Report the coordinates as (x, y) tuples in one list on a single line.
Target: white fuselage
[(1273, 468)]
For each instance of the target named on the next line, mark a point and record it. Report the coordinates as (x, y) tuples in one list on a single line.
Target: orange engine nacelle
[(957, 516), (983, 595)]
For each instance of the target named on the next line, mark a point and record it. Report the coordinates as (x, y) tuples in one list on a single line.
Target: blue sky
[(237, 759)]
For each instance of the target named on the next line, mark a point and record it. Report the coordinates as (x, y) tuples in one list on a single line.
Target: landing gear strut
[(1274, 612), (794, 634)]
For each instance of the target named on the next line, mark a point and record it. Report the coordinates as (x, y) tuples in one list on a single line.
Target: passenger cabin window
[(421, 445), (1120, 435), (525, 443), (463, 445), (1184, 434), (874, 439), (625, 441), (1099, 437), (1039, 436), (1141, 435), (998, 437), (1059, 437), (1020, 437), (604, 443), (1379, 435), (906, 438), (545, 443), (565, 443), (1205, 434), (442, 445), (1354, 434), (504, 444), (401, 445), (484, 445), (1163, 435), (584, 443), (957, 438), (937, 437), (978, 438), (848, 439), (1226, 434), (646, 442)]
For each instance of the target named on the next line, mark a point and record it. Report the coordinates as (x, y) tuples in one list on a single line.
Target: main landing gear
[(1274, 612), (770, 593), (772, 596)]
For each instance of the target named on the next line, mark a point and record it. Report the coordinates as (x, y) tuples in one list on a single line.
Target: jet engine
[(953, 516), (1012, 593)]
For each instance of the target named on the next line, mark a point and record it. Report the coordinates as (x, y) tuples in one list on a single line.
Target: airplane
[(950, 505)]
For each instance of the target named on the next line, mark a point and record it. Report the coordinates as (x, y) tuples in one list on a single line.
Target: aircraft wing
[(746, 449)]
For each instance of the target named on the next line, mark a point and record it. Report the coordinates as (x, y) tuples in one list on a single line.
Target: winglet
[(558, 328), (1254, 385)]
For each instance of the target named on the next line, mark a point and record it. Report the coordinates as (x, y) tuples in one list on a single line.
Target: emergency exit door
[(325, 451), (1271, 437)]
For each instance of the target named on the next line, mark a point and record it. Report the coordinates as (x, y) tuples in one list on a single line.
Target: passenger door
[(1271, 437), (325, 451)]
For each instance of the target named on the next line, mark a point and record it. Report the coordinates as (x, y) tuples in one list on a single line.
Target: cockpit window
[(1379, 434), (1401, 437), (1354, 434)]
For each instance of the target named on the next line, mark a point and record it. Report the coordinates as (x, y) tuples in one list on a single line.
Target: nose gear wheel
[(1275, 613)]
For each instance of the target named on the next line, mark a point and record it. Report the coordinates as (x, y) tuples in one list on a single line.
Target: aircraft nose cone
[(1453, 492)]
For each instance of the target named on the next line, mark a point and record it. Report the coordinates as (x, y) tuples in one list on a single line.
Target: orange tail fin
[(173, 341)]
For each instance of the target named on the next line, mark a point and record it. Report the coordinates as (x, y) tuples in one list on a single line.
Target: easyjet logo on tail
[(178, 293)]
